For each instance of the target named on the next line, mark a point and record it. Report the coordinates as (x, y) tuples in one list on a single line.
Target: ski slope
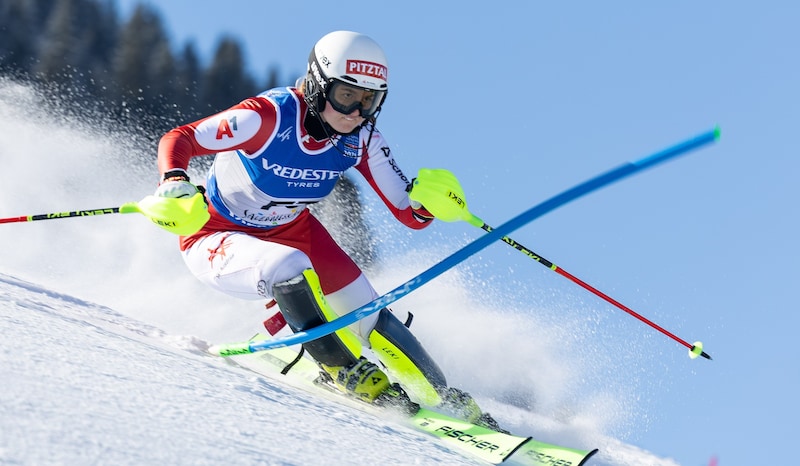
[(84, 384), (103, 328)]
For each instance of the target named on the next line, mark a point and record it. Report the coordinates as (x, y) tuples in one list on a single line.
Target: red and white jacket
[(268, 169)]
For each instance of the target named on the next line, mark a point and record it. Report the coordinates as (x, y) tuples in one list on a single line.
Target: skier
[(277, 153)]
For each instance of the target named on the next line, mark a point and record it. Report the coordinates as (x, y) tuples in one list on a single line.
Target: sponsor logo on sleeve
[(228, 129)]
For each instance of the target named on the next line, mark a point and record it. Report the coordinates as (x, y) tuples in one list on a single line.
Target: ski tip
[(231, 349), (697, 350), (717, 135)]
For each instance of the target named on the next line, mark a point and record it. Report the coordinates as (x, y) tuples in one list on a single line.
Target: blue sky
[(525, 99)]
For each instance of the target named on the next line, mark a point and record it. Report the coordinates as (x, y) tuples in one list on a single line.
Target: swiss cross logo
[(367, 68)]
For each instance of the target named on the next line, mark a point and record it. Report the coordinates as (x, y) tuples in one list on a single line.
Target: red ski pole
[(74, 213), (695, 350), (182, 216)]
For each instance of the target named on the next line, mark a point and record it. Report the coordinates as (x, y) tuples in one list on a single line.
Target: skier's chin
[(346, 125), (341, 123)]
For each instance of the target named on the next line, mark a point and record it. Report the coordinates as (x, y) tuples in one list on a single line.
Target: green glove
[(439, 191), (181, 216)]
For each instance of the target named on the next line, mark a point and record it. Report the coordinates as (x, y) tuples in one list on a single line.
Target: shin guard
[(404, 356), (303, 306)]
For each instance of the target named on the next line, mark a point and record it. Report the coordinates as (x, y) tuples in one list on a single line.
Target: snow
[(103, 329), (87, 385)]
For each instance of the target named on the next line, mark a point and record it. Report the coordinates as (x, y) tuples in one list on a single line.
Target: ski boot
[(461, 405), (394, 397), (362, 380), (366, 382)]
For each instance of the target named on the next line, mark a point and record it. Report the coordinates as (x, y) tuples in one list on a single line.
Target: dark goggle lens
[(345, 98)]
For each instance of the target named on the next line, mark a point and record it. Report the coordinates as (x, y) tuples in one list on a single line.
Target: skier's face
[(340, 122), (346, 98)]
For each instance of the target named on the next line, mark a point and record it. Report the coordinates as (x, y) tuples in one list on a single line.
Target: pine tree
[(272, 78), (99, 28), (188, 83), (161, 78), (140, 63), (226, 81), (59, 44), (21, 24)]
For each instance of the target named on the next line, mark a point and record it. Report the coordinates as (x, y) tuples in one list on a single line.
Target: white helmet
[(348, 70)]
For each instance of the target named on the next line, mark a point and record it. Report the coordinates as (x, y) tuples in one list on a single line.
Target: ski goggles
[(345, 98)]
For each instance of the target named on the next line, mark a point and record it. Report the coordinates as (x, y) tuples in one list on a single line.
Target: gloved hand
[(176, 184), (177, 206), (418, 210), (439, 193)]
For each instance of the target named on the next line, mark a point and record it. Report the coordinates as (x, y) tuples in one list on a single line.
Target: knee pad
[(398, 349), (303, 306)]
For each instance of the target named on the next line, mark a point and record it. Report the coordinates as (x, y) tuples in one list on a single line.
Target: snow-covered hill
[(84, 384)]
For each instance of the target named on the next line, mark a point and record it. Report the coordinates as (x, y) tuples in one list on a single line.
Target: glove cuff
[(422, 215), (176, 174)]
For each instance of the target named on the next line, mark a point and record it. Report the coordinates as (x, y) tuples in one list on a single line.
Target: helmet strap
[(317, 127)]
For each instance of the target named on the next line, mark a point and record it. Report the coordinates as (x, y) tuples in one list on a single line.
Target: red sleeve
[(387, 180), (246, 126)]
